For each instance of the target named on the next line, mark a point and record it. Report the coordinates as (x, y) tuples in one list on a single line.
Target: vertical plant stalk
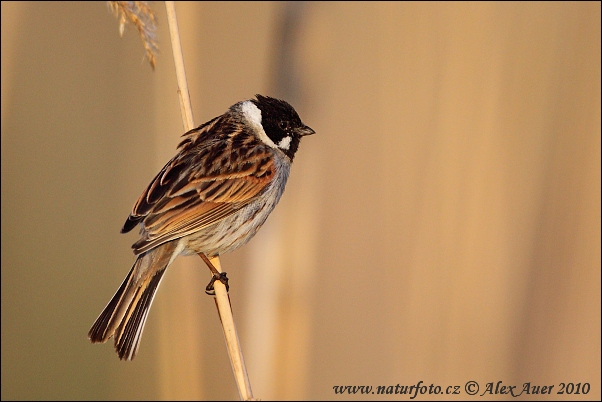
[(176, 46), (222, 300), (224, 309)]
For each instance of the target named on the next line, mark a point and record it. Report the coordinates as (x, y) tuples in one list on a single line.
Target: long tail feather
[(125, 315)]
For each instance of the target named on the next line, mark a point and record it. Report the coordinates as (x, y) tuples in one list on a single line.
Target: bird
[(212, 197)]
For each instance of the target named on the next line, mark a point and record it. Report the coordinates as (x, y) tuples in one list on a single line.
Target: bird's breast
[(238, 228)]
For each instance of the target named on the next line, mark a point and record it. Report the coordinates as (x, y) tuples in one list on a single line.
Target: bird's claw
[(210, 290)]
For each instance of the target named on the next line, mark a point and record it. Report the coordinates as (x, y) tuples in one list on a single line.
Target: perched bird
[(209, 199)]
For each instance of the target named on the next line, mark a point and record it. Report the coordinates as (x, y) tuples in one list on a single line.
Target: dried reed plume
[(143, 18)]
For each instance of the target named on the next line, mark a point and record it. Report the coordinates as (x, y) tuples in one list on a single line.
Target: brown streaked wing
[(204, 201), (202, 139)]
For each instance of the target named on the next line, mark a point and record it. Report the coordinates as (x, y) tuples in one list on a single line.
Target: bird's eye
[(284, 125)]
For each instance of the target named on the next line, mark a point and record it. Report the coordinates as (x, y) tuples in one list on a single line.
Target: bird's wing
[(207, 181)]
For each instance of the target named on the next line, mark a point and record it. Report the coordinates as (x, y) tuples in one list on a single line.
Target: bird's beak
[(303, 131)]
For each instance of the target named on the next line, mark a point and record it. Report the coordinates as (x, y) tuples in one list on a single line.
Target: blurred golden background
[(443, 225)]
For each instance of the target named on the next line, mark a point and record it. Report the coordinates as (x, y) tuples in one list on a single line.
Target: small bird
[(209, 199)]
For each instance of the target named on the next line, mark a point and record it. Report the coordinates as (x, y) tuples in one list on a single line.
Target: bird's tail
[(126, 313)]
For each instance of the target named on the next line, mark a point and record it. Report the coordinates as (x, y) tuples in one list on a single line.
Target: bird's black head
[(281, 124)]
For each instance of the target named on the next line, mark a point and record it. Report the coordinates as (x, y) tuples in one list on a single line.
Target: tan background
[(443, 225)]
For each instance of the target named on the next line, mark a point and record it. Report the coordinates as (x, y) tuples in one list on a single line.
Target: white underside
[(237, 229)]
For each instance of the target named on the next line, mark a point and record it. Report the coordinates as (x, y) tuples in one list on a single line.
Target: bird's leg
[(217, 276)]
